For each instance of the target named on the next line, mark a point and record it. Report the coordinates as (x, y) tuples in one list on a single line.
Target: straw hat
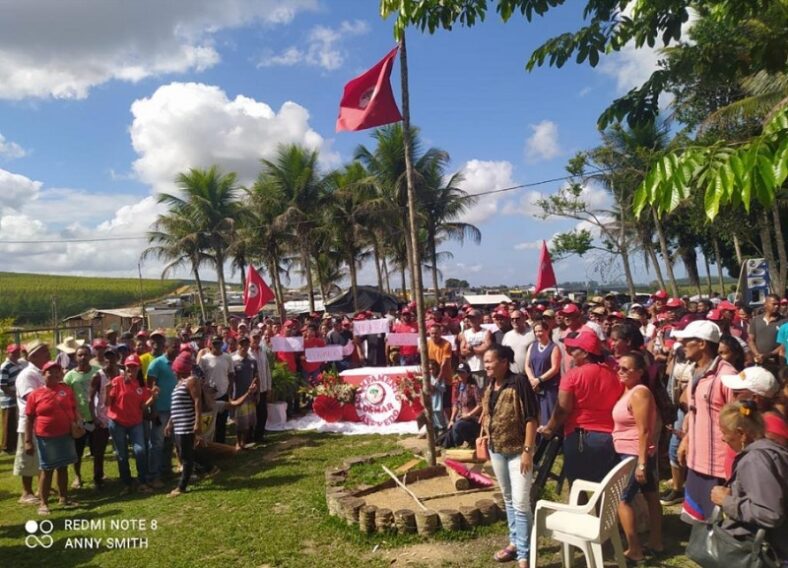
[(70, 345)]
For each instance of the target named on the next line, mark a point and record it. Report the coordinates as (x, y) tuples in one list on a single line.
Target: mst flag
[(545, 277), (256, 293), (368, 100)]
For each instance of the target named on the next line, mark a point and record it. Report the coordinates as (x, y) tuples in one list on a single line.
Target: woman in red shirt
[(586, 397), (51, 410), (126, 399)]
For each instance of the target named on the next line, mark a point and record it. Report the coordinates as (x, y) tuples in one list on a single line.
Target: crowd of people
[(702, 382)]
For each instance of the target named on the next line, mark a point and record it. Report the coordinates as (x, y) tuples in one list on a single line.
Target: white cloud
[(68, 206), (323, 47), (482, 176), (473, 268), (528, 205), (631, 66), (531, 245), (584, 91), (16, 189), (51, 48), (543, 142), (184, 125), (11, 150)]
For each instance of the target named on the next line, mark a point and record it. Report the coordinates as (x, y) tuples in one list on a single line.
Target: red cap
[(132, 361), (674, 303), (539, 308), (182, 363), (587, 341), (784, 301), (185, 347), (13, 348), (405, 311), (48, 365), (714, 315), (616, 315), (288, 323), (501, 313), (361, 316), (570, 309), (725, 305), (660, 295), (99, 343), (142, 334)]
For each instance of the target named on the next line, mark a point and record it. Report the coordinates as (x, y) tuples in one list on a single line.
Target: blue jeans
[(159, 447), (516, 489), (120, 434), (673, 446)]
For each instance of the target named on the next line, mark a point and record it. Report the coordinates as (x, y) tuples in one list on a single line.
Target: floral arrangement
[(409, 388), (331, 385)]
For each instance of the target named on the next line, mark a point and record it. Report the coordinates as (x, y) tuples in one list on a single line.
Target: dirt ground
[(395, 498)]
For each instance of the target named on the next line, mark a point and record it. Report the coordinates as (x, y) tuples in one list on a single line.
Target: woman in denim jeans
[(509, 421), (126, 400)]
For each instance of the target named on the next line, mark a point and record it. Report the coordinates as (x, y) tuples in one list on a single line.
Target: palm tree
[(386, 168), (210, 201), (173, 238), (295, 176), (266, 240), (441, 204), (351, 207)]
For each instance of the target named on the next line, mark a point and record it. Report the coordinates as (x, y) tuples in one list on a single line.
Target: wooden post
[(415, 260)]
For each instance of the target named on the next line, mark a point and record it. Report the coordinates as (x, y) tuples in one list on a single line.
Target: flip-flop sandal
[(506, 554), (43, 510), (68, 504)]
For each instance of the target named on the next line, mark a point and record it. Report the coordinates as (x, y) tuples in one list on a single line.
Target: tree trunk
[(242, 266), (376, 251), (434, 252), (718, 260), (308, 273), (351, 262), (655, 263), (737, 248), (219, 256), (273, 269), (628, 273), (415, 260), (663, 248), (200, 292), (781, 252), (768, 250), (708, 273), (690, 259), (386, 273)]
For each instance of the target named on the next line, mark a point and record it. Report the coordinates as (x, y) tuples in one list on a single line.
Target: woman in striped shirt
[(185, 418)]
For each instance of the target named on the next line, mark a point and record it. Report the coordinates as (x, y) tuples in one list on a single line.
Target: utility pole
[(142, 297), (415, 261)]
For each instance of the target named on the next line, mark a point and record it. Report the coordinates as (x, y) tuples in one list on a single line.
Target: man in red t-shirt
[(408, 354), (311, 370)]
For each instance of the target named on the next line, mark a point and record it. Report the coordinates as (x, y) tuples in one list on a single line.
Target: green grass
[(372, 473), (265, 509), (28, 297)]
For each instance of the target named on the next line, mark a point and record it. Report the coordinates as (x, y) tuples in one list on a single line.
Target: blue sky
[(102, 103)]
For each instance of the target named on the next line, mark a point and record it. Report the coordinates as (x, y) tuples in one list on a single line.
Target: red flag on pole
[(256, 293), (368, 100), (546, 277)]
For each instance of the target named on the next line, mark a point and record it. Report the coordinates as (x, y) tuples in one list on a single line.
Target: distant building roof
[(133, 312), (485, 299)]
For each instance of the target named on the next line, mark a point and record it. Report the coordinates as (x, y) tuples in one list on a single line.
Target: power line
[(137, 237)]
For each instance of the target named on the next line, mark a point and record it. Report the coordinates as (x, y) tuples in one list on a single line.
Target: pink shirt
[(706, 453), (626, 439)]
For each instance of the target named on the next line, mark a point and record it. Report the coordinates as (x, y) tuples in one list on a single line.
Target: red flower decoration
[(349, 413), (327, 408)]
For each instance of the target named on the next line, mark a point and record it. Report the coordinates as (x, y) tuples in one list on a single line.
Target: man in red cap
[(573, 321), (9, 370), (502, 321), (99, 345), (660, 298)]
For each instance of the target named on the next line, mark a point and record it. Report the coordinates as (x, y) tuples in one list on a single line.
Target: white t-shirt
[(28, 380), (474, 339), (263, 368), (519, 344), (217, 369)]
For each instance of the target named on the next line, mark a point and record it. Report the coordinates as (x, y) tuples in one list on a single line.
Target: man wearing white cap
[(702, 448), (31, 377)]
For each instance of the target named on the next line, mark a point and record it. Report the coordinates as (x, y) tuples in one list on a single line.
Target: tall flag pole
[(415, 261), (545, 277)]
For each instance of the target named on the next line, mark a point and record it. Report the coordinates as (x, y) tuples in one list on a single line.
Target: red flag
[(256, 293), (546, 277), (367, 100)]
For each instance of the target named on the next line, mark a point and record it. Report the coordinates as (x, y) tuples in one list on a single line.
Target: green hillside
[(28, 297)]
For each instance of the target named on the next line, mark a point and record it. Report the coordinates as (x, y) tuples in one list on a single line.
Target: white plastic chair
[(585, 526)]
